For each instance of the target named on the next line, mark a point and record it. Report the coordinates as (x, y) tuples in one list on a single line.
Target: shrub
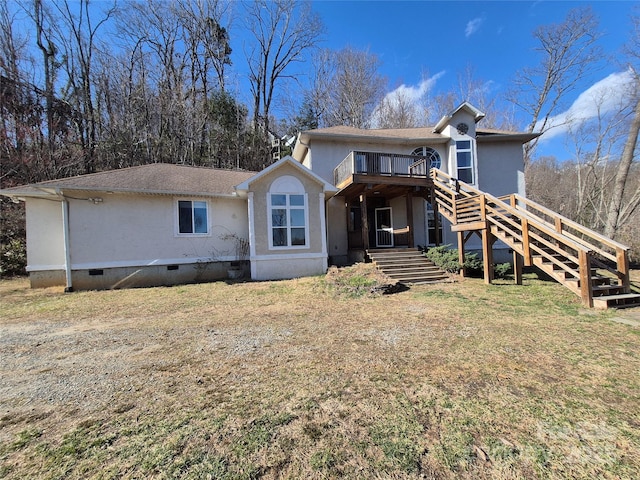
[(446, 258), (13, 258), (501, 270)]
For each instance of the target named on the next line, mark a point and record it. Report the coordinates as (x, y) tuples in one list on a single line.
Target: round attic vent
[(463, 128)]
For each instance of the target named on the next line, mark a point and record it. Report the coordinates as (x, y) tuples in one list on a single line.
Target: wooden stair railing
[(562, 248), (608, 254)]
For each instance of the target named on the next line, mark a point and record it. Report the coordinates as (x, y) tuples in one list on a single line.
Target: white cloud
[(411, 94), (414, 92), (473, 26), (604, 96)]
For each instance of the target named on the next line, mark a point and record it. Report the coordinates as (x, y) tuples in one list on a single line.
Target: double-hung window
[(464, 154), (288, 220), (193, 217)]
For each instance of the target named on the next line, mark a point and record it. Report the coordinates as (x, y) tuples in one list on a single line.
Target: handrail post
[(483, 207), (622, 261), (558, 224), (526, 247), (454, 207), (586, 287)]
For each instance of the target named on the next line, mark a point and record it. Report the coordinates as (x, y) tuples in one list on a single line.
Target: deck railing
[(535, 230), (608, 252), (377, 163)]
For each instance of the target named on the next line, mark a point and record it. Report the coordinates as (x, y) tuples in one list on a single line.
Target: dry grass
[(312, 378)]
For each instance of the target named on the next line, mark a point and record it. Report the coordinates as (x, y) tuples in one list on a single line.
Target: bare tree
[(618, 211), (438, 105), (12, 50), (284, 31), (479, 92), (44, 40), (80, 44), (349, 87), (397, 110), (568, 51)]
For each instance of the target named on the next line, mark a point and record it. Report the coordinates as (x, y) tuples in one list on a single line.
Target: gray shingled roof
[(156, 178), (424, 133), (399, 133)]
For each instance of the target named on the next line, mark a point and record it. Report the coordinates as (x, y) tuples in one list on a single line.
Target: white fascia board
[(477, 115), (60, 191), (244, 187)]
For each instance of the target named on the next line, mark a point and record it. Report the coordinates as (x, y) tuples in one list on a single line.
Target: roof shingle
[(158, 178)]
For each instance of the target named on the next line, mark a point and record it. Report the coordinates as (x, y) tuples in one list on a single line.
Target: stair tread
[(620, 296), (606, 287), (396, 268), (413, 275), (548, 251), (407, 265)]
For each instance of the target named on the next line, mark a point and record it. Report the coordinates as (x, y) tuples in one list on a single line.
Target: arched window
[(288, 215), (433, 157)]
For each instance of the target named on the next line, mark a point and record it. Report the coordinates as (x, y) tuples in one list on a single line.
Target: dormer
[(460, 122)]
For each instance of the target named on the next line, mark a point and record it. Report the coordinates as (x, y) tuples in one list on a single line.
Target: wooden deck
[(387, 174)]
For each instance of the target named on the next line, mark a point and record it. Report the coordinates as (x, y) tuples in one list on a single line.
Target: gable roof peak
[(464, 106), (245, 186)]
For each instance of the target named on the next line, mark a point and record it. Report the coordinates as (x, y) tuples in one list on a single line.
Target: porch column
[(436, 217), (410, 219), (365, 222)]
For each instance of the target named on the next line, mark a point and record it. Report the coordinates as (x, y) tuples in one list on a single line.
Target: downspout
[(324, 231), (67, 251), (252, 236)]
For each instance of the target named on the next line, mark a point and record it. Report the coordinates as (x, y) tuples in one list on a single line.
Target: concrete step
[(412, 271), (407, 265), (409, 268)]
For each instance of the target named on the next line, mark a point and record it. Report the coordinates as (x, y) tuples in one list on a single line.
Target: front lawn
[(311, 379)]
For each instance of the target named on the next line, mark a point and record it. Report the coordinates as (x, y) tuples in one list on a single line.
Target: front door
[(384, 227)]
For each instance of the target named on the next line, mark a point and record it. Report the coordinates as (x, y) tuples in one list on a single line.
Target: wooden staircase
[(591, 265), (406, 265)]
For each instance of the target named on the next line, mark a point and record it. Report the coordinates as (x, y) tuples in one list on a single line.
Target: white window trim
[(473, 166), (307, 244), (177, 232), (432, 151)]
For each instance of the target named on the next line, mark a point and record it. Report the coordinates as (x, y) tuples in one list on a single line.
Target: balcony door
[(384, 227)]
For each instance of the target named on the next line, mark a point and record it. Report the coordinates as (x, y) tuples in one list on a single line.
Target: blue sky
[(435, 41), (439, 39)]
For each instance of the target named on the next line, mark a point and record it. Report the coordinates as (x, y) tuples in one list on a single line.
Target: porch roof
[(387, 187)]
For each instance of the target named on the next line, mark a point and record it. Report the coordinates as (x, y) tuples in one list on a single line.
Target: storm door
[(384, 227)]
